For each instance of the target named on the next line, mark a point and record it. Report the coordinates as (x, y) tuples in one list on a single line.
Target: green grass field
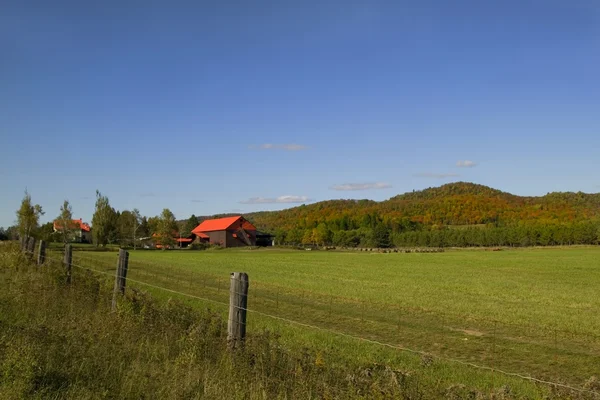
[(533, 312)]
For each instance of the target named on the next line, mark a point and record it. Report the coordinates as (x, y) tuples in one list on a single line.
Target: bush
[(199, 246)]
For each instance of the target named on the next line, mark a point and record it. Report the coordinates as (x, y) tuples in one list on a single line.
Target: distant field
[(531, 311)]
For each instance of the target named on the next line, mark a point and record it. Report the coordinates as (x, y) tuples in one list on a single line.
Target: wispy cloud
[(287, 147), (466, 164), (361, 186), (434, 175), (273, 200)]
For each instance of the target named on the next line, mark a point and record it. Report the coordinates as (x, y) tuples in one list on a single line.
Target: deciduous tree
[(65, 225), (28, 216), (104, 221), (190, 225), (167, 226)]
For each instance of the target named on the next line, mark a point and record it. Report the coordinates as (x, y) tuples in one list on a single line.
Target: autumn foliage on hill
[(461, 214)]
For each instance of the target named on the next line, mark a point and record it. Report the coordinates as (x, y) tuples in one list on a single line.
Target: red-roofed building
[(180, 241), (81, 230), (227, 232)]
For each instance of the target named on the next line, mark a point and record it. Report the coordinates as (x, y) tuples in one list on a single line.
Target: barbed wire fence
[(497, 347)]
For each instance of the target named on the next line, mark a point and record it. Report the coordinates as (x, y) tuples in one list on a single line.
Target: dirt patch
[(470, 332)]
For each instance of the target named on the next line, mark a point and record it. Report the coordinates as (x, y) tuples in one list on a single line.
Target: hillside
[(433, 209), (458, 203)]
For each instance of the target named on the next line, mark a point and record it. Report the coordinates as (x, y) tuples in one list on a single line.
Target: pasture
[(530, 311)]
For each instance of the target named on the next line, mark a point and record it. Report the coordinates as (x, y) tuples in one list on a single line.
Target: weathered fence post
[(30, 247), (124, 256), (120, 276), (23, 242), (41, 253), (238, 304), (67, 261)]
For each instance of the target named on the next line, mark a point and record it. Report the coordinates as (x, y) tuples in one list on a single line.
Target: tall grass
[(63, 341)]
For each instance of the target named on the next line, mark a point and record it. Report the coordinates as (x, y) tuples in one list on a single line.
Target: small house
[(81, 231)]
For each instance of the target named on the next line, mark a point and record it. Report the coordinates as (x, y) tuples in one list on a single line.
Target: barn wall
[(218, 237), (233, 242)]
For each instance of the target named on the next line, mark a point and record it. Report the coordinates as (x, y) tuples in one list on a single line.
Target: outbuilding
[(227, 232)]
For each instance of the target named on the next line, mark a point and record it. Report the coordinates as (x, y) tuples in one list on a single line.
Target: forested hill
[(455, 206)]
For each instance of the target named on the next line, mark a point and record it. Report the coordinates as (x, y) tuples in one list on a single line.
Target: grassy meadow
[(527, 311), (62, 341)]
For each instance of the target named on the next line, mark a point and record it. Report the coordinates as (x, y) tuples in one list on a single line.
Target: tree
[(190, 225), (137, 223), (143, 229), (103, 221), (152, 224), (28, 216), (46, 232), (12, 232), (128, 224), (3, 234), (294, 236), (65, 224), (308, 237), (280, 236), (167, 226), (124, 224), (322, 235), (381, 236)]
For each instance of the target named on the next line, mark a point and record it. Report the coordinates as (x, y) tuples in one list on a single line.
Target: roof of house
[(184, 240), (221, 224), (202, 235), (77, 223)]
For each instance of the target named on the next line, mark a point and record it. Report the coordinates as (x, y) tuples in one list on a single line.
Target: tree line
[(454, 215), (469, 236), (109, 226)]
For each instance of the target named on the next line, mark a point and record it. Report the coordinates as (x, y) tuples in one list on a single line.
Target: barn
[(227, 232)]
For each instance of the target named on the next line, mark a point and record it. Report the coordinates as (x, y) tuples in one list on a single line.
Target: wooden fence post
[(238, 304), (120, 276), (30, 247), (22, 241), (124, 255), (41, 253), (67, 261)]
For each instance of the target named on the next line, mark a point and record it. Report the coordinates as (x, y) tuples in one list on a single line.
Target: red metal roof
[(221, 224), (184, 240), (77, 223), (202, 235)]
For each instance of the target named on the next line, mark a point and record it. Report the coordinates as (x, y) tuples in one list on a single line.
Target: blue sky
[(208, 107)]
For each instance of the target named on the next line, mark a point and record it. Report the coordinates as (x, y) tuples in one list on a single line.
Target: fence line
[(338, 333), (545, 329), (437, 313)]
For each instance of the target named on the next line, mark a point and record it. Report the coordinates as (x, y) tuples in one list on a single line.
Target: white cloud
[(437, 176), (274, 200), (287, 147), (361, 186), (466, 164)]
